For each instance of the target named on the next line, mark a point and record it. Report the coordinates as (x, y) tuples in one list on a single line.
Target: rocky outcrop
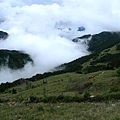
[(81, 28)]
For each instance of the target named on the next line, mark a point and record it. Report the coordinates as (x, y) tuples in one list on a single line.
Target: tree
[(14, 91)]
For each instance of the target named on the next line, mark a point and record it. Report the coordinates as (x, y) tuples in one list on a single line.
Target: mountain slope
[(11, 58), (105, 48), (107, 59), (14, 59), (103, 40), (64, 97), (100, 41)]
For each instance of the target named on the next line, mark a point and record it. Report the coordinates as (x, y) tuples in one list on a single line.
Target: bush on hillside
[(118, 71), (14, 91)]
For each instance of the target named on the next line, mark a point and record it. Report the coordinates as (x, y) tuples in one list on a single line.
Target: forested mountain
[(100, 41), (105, 54), (14, 59), (103, 41), (11, 58)]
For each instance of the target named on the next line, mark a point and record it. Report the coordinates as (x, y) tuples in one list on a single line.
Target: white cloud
[(31, 27)]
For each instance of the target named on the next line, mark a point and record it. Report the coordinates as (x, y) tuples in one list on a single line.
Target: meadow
[(69, 96)]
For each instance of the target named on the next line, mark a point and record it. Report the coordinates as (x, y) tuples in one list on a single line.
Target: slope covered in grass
[(103, 83), (107, 59), (66, 96), (60, 111)]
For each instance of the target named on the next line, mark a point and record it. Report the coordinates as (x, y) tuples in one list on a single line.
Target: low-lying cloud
[(31, 25)]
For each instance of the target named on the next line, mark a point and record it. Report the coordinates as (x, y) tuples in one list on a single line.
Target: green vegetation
[(108, 59), (65, 96), (86, 89), (105, 49), (118, 71), (69, 87), (14, 91), (103, 40), (11, 58), (100, 41), (14, 59), (60, 111)]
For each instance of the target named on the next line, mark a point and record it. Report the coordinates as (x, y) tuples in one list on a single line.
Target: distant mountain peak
[(3, 35)]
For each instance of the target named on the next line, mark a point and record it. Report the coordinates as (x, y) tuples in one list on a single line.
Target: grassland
[(69, 96), (60, 111)]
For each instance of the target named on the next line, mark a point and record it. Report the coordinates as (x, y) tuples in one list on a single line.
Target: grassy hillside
[(69, 84), (108, 59), (64, 85), (66, 96), (60, 111)]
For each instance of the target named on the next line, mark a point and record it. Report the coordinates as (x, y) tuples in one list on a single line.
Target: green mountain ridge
[(100, 41), (106, 60), (103, 41), (14, 59), (11, 58), (105, 52)]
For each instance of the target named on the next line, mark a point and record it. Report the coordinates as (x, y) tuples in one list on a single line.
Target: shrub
[(86, 95), (33, 99), (114, 89), (60, 97), (98, 98), (68, 99), (118, 71), (49, 99), (115, 96), (52, 99), (14, 91)]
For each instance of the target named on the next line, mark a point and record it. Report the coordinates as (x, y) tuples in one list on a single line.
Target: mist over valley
[(45, 30)]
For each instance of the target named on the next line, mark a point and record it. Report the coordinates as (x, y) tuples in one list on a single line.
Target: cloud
[(31, 25)]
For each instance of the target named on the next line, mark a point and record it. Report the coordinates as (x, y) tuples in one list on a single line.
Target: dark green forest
[(14, 59)]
